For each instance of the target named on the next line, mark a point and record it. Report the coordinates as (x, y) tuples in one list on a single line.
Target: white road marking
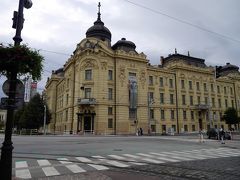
[(43, 162), (98, 157), (117, 157), (64, 160), (117, 164), (21, 164), (98, 167), (23, 173), (83, 159), (160, 158), (50, 171), (75, 168), (144, 159), (137, 163)]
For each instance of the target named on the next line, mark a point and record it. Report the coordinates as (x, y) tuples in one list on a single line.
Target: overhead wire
[(183, 21)]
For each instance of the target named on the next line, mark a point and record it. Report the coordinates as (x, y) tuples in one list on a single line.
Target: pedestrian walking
[(141, 131), (221, 134), (201, 136)]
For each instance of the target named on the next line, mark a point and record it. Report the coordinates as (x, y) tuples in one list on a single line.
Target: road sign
[(19, 88)]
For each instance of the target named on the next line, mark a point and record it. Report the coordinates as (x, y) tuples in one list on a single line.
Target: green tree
[(231, 117), (21, 59), (17, 117), (32, 116)]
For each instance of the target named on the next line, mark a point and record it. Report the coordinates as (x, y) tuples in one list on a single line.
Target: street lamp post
[(7, 147)]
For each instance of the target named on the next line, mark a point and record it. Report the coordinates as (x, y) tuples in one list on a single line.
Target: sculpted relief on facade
[(122, 75), (142, 78), (89, 63)]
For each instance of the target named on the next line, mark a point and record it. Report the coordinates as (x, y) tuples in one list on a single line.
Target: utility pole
[(7, 148)]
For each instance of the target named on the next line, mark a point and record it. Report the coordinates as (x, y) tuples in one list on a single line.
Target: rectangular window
[(66, 118), (150, 96), (150, 80), (198, 86), (162, 114), (161, 98), (151, 114), (192, 115), (171, 83), (131, 74), (174, 128), (218, 89), (110, 110), (191, 100), (67, 99), (193, 128), (110, 75), (206, 100), (231, 91), (205, 86), (226, 103), (214, 116), (172, 114), (199, 99), (161, 81), (171, 99), (110, 123), (182, 84), (184, 114), (185, 128), (221, 118), (212, 88), (225, 90), (183, 100), (219, 103), (213, 102), (110, 92), (190, 85), (88, 74), (232, 104), (87, 92), (132, 113)]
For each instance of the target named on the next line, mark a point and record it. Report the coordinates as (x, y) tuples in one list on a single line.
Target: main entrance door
[(88, 124)]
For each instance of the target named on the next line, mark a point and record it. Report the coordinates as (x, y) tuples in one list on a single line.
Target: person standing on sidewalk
[(201, 136), (221, 134)]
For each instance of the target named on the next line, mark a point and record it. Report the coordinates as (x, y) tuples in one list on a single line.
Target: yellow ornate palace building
[(113, 89)]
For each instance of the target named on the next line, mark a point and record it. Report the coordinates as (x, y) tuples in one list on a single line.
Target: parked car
[(213, 133), (227, 136)]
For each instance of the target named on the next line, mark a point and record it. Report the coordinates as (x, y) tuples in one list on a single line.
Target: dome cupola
[(98, 30), (125, 45)]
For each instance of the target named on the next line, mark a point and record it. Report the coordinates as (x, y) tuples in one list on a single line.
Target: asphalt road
[(128, 157)]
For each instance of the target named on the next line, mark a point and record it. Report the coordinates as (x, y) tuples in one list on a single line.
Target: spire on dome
[(99, 14), (98, 30)]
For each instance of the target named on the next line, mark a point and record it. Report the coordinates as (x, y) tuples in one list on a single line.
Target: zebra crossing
[(52, 167)]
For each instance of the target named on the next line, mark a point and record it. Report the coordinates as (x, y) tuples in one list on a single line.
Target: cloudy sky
[(209, 29)]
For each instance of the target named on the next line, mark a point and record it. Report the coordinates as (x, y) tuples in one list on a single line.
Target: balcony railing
[(202, 106), (87, 101)]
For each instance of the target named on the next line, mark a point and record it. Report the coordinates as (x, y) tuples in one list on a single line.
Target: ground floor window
[(185, 128), (174, 128), (153, 128), (110, 123), (193, 128), (132, 113), (164, 128)]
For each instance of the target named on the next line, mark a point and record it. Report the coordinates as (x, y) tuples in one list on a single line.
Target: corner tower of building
[(98, 30)]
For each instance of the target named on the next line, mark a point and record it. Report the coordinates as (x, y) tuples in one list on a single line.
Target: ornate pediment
[(89, 63)]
